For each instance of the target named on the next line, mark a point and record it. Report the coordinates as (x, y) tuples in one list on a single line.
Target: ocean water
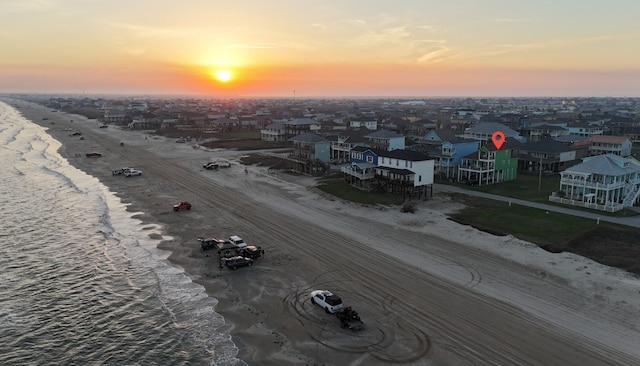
[(81, 282)]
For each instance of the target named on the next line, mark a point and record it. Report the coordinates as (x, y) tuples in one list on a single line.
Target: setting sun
[(223, 75)]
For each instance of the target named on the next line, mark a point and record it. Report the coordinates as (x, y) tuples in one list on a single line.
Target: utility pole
[(540, 176)]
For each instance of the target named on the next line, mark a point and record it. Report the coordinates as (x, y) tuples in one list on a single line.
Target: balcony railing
[(585, 183), (476, 167), (609, 207), (341, 147), (358, 173)]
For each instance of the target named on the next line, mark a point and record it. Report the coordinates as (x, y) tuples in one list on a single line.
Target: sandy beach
[(430, 291)]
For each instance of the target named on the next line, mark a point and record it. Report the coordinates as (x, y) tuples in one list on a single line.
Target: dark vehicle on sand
[(349, 319), (238, 261), (251, 251), (210, 243), (182, 206), (210, 166)]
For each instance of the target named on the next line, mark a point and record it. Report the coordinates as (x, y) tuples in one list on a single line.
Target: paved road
[(633, 221)]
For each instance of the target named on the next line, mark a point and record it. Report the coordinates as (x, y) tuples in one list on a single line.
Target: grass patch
[(265, 160), (241, 144), (525, 186), (606, 243), (342, 190), (526, 223), (239, 134), (611, 247)]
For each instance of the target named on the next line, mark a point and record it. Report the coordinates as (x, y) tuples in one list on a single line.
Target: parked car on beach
[(237, 261), (251, 251), (182, 206), (120, 171), (132, 173), (327, 300), (238, 241), (210, 243), (93, 155)]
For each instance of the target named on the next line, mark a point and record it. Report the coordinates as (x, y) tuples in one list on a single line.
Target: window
[(369, 159)]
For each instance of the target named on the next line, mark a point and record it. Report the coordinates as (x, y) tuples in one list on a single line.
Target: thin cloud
[(512, 20), (251, 46), (145, 31), (515, 48), (27, 5)]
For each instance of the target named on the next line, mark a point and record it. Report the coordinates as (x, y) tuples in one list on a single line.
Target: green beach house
[(490, 165)]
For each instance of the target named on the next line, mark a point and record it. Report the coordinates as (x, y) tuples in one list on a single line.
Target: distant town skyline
[(250, 48)]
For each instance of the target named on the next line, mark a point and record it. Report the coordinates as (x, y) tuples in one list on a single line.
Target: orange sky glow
[(406, 48)]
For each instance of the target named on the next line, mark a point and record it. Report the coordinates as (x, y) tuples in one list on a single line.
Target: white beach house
[(604, 182)]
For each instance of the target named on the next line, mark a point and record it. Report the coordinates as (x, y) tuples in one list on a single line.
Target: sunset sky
[(321, 48)]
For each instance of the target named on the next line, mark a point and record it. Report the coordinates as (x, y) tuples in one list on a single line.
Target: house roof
[(509, 143), (308, 137), (275, 125), (364, 148), (609, 139), (445, 134), (548, 127), (354, 136), (582, 124), (408, 155), (402, 154), (302, 122), (491, 127), (383, 134), (607, 164), (571, 138), (548, 145), (424, 122)]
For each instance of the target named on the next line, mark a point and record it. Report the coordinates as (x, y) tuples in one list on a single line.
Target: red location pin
[(498, 139)]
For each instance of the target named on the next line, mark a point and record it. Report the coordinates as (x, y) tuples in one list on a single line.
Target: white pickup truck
[(121, 171), (238, 241), (132, 172)]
